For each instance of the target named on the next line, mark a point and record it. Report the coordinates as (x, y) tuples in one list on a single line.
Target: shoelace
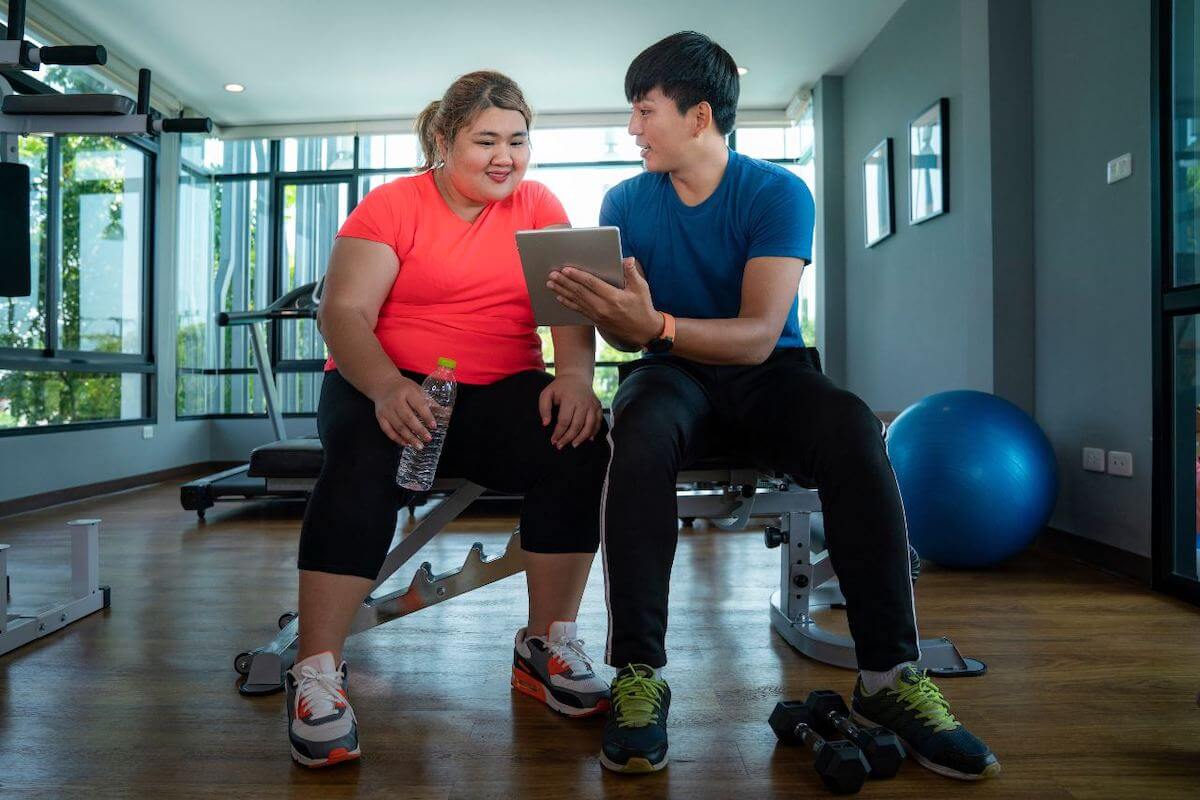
[(637, 697), (570, 652), (322, 691), (927, 697)]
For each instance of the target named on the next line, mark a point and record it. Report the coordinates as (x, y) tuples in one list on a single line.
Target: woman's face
[(488, 157)]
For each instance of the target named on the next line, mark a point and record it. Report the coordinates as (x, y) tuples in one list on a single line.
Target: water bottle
[(418, 467)]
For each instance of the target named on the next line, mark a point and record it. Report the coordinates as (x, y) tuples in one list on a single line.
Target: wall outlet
[(147, 431), (1120, 463), (1093, 459), (1120, 168)]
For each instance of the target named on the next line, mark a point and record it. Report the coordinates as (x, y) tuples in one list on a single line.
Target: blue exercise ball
[(977, 476)]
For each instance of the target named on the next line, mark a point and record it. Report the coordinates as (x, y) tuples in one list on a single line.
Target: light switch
[(1120, 168)]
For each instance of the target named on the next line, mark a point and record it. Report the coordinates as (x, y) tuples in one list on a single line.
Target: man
[(715, 245)]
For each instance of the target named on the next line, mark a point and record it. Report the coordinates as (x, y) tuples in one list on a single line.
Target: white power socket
[(1093, 459), (147, 431), (1120, 463)]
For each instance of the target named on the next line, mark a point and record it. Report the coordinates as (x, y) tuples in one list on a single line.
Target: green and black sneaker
[(635, 732), (917, 712)]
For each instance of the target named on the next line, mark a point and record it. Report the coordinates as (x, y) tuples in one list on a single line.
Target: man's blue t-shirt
[(694, 256)]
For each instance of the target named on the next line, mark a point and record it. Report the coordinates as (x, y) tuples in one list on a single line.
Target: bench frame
[(732, 498)]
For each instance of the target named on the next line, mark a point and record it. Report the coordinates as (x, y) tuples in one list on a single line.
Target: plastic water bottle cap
[(448, 363)]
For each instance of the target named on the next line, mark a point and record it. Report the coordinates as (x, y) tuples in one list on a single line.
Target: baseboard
[(34, 502), (1096, 554)]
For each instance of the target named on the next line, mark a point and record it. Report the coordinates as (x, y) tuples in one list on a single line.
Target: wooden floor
[(1090, 691)]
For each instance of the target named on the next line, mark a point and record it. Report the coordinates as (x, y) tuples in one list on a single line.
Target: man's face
[(661, 131)]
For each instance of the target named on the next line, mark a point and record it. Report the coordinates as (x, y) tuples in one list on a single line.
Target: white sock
[(874, 681), (321, 662)]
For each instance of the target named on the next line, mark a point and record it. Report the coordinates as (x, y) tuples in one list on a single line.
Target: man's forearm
[(741, 340)]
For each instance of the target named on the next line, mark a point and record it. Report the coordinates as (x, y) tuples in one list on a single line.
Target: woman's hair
[(466, 97)]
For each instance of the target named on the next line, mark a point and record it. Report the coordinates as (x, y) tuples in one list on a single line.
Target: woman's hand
[(579, 413), (404, 413)]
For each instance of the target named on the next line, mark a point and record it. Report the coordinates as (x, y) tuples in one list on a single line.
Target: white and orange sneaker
[(555, 670), (321, 723)]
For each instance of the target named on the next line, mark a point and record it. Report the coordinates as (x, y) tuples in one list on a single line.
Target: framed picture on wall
[(878, 212), (928, 165)]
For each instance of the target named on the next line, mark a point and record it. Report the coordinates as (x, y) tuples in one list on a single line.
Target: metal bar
[(54, 240), (25, 629), (717, 505), (61, 364), (3, 588), (85, 557), (427, 589), (262, 361), (447, 511), (128, 125), (16, 21)]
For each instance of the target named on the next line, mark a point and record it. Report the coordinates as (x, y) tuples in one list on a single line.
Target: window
[(78, 349), (224, 264), (30, 399), (318, 153), (312, 215), (390, 151), (795, 149), (100, 272)]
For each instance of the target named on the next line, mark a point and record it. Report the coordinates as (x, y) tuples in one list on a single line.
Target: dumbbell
[(841, 765), (882, 748)]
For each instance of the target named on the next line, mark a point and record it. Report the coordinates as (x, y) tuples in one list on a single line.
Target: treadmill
[(285, 468)]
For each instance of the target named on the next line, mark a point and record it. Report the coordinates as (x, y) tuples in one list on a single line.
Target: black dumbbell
[(883, 749), (841, 765)]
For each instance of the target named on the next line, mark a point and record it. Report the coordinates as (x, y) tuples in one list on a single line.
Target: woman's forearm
[(574, 350)]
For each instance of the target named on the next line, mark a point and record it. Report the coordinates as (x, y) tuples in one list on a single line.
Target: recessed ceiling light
[(234, 87), (742, 70)]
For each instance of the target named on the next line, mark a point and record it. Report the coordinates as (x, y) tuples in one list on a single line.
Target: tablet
[(597, 250)]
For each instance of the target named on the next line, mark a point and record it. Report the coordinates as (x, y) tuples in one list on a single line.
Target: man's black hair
[(688, 67)]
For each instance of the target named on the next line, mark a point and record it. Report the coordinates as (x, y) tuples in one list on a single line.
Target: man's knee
[(645, 442), (844, 423)]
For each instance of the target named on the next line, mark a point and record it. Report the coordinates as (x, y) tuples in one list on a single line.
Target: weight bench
[(730, 496)]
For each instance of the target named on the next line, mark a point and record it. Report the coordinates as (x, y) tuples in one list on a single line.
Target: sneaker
[(635, 733), (321, 724), (555, 670), (916, 711)]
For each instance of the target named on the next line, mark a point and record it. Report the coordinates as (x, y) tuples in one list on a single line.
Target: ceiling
[(385, 59)]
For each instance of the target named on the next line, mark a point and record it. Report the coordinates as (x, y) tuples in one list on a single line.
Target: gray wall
[(36, 463), (910, 302), (233, 439), (1091, 98), (1036, 285)]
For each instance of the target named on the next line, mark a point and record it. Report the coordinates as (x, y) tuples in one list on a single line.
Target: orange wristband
[(668, 331)]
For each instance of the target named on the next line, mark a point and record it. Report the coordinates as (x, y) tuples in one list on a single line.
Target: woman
[(427, 267)]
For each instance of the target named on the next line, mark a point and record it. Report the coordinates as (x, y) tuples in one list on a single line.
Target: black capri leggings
[(496, 439)]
